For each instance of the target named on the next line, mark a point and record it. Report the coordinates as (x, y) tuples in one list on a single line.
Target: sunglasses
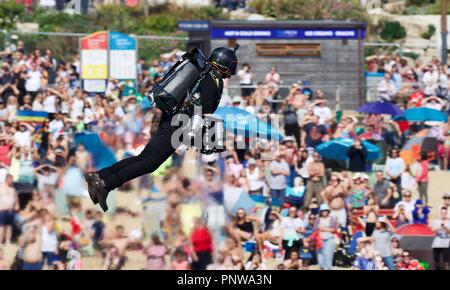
[(407, 195)]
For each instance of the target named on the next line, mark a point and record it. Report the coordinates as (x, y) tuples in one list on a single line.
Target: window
[(288, 49)]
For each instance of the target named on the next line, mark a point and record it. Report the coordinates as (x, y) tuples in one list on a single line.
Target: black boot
[(102, 194), (91, 178)]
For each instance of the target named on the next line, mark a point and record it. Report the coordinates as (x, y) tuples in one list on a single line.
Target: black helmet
[(225, 60)]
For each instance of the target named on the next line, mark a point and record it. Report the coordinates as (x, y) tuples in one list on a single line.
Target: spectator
[(279, 170), (422, 177), (407, 202), (202, 245), (395, 166), (383, 190), (273, 77), (243, 227), (293, 263), (314, 133), (316, 172), (291, 125), (420, 213), (255, 262), (8, 206), (357, 157), (382, 239), (293, 230), (326, 225), (156, 253), (180, 261), (322, 111), (334, 195), (407, 263), (441, 242), (49, 242), (246, 79), (446, 202), (402, 217), (255, 177)]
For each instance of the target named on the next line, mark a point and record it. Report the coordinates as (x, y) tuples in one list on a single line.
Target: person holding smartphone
[(441, 242)]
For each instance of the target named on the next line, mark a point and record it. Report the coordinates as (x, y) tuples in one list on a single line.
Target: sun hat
[(356, 176), (251, 161), (446, 195), (324, 207)]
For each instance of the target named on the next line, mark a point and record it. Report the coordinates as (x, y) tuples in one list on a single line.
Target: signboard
[(94, 56), (196, 25), (122, 56), (288, 49), (338, 33), (94, 86)]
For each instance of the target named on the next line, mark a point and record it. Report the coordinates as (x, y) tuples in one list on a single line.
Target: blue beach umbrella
[(102, 155), (422, 114), (337, 149), (382, 108), (241, 122)]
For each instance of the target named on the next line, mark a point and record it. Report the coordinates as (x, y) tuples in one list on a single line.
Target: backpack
[(172, 90)]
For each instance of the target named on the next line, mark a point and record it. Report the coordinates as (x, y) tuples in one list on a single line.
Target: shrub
[(392, 30), (430, 32), (10, 12)]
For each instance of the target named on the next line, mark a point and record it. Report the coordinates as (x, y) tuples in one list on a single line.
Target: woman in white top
[(49, 241), (49, 103), (37, 103), (255, 262), (255, 177), (441, 242), (77, 105), (293, 229)]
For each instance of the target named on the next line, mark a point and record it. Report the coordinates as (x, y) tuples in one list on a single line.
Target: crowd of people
[(307, 211)]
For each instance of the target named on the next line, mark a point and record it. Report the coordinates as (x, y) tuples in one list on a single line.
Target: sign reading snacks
[(338, 33), (288, 49)]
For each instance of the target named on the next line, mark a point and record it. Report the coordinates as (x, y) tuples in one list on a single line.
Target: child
[(98, 229), (180, 261), (295, 194), (306, 255), (420, 213)]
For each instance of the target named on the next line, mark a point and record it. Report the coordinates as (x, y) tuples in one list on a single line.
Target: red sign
[(98, 40)]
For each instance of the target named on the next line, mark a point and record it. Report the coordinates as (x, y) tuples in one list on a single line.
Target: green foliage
[(10, 12), (412, 55), (310, 9), (430, 32), (160, 20), (392, 30), (418, 2)]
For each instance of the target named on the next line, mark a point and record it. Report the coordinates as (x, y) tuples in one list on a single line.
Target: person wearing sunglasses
[(408, 263), (192, 84)]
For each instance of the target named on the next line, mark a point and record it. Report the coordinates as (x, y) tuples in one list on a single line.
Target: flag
[(31, 116)]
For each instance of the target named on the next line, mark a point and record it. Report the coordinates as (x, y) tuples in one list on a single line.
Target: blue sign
[(303, 33), (195, 25), (121, 41)]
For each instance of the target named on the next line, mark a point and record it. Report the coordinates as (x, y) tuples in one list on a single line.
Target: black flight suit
[(159, 148)]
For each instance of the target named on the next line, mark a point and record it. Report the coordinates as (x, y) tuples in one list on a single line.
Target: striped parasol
[(421, 142)]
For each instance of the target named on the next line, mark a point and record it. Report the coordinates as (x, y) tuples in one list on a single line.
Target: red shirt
[(4, 151), (201, 240), (412, 265)]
